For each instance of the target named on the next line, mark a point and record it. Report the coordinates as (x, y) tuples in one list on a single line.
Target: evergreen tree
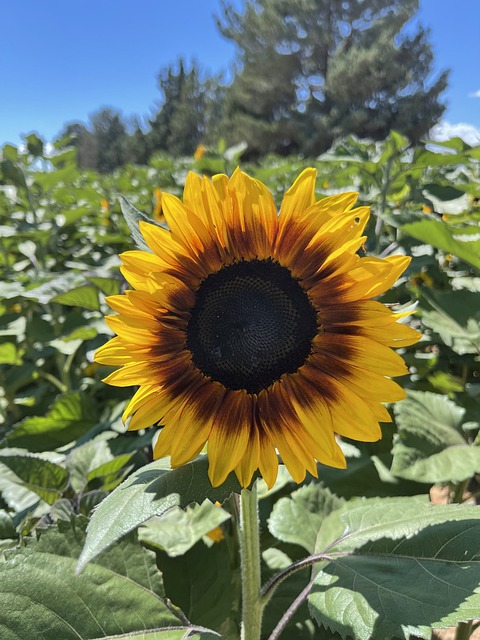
[(313, 70), (136, 146), (188, 111), (77, 135), (110, 135)]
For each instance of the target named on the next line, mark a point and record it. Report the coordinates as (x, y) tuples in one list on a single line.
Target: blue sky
[(61, 60)]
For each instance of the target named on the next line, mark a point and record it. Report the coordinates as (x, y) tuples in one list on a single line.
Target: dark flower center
[(251, 323)]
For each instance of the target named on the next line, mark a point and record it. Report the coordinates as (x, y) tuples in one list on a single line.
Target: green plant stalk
[(464, 630), (249, 538)]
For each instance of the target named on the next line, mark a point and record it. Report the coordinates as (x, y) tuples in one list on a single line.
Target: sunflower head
[(254, 331)]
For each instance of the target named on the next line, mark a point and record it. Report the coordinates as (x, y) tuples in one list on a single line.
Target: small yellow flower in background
[(325, 185), (157, 205), (421, 278), (90, 369), (15, 308), (255, 331), (427, 209), (105, 206), (216, 534), (445, 217), (199, 152)]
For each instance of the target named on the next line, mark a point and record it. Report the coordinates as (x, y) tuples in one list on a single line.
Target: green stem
[(464, 630), (459, 490), (249, 537)]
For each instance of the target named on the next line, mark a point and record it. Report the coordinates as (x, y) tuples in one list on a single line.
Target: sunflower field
[(123, 512)]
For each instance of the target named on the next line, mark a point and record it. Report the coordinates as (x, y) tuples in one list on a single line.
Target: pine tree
[(310, 71), (188, 111)]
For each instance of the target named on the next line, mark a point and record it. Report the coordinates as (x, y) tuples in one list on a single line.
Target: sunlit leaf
[(430, 446), (85, 296), (441, 236), (178, 530), (133, 217), (397, 567), (297, 519), (150, 491), (71, 415), (43, 477), (121, 593)]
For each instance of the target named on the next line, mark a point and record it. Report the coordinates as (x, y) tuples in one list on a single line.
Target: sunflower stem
[(249, 537)]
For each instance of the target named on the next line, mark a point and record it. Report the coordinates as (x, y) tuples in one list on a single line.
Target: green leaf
[(397, 567), (9, 354), (455, 316), (297, 519), (429, 446), (10, 152), (179, 633), (121, 593), (108, 286), (34, 144), (177, 531), (45, 478), (132, 217), (71, 415), (201, 582), (7, 528), (85, 296), (441, 236), (11, 172), (150, 491), (111, 473), (443, 192)]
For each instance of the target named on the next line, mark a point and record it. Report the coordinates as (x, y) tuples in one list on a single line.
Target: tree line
[(306, 73)]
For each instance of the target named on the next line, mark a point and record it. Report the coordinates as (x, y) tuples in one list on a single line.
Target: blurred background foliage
[(343, 87), (306, 73)]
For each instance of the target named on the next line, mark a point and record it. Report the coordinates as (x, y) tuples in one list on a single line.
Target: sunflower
[(254, 331)]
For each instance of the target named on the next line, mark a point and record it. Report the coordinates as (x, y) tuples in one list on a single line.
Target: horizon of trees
[(307, 72)]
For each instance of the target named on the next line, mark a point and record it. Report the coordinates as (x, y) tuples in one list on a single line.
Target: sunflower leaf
[(455, 317), (85, 296), (439, 235), (150, 491), (70, 416), (43, 477), (178, 530), (202, 582), (132, 218), (298, 518), (121, 593), (397, 567), (429, 446), (179, 633)]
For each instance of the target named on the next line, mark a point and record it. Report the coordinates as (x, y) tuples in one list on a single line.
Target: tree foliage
[(188, 112), (311, 71)]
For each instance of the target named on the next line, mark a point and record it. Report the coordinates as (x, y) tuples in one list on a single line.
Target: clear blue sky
[(63, 59)]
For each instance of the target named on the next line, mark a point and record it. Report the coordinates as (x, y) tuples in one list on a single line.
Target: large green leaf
[(85, 296), (41, 597), (297, 519), (179, 633), (43, 477), (150, 491), (397, 567), (429, 446), (455, 317), (202, 582), (71, 415), (442, 236), (178, 530)]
